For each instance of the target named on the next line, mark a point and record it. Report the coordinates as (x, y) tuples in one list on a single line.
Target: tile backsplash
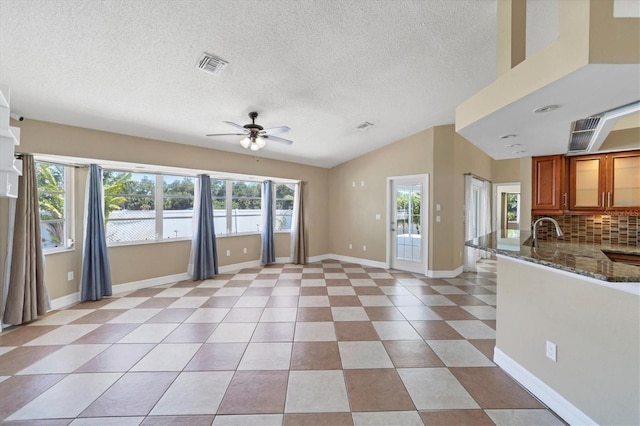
[(598, 229)]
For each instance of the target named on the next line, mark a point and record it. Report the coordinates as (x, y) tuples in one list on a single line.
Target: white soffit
[(590, 90), (320, 67)]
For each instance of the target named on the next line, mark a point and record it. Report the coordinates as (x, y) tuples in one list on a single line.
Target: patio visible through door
[(407, 231)]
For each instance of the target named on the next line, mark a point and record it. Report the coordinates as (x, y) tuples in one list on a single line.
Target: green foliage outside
[(50, 178), (512, 207), (402, 204)]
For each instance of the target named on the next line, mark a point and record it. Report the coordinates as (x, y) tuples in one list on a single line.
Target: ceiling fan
[(256, 136)]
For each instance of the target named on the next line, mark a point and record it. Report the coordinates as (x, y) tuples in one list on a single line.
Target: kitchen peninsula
[(568, 325)]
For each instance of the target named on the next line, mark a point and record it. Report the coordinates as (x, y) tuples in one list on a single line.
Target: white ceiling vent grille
[(364, 126), (212, 64), (582, 132)]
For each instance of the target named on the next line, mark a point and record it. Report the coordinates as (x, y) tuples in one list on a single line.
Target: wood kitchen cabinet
[(549, 184), (586, 183), (605, 182)]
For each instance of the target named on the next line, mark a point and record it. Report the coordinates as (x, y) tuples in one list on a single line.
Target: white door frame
[(425, 206)]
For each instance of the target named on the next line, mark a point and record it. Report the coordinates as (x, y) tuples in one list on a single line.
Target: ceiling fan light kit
[(255, 136)]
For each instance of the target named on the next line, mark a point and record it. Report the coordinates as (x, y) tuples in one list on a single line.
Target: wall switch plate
[(438, 207), (353, 184), (244, 250), (70, 276), (437, 218), (350, 246), (377, 216), (228, 252), (364, 248), (552, 353), (362, 183)]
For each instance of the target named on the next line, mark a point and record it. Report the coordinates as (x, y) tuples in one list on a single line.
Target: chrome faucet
[(535, 229)]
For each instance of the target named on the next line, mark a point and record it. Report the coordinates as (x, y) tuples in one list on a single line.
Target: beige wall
[(622, 140), (439, 152), (612, 40), (353, 209), (505, 171), (596, 330), (145, 261)]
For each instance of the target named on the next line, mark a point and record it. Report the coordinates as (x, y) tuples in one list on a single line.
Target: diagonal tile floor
[(329, 343)]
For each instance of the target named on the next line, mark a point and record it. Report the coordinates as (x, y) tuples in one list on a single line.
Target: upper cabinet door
[(623, 186), (549, 196), (587, 182)]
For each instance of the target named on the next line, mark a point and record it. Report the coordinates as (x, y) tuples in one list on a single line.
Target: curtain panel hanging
[(268, 250), (298, 252), (205, 256), (96, 271), (27, 296)]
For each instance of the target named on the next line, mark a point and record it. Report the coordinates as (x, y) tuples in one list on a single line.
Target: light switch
[(438, 207), (377, 216), (437, 218)]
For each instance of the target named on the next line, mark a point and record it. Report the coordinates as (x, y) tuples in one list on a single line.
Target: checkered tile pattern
[(329, 343)]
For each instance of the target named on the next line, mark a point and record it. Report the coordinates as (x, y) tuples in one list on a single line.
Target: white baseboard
[(64, 301), (445, 274), (565, 409), (357, 260), (319, 258), (238, 266), (73, 298), (151, 282)]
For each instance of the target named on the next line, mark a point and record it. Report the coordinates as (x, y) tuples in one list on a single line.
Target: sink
[(628, 258)]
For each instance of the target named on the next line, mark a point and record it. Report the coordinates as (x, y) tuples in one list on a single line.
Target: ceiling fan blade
[(237, 126), (275, 130), (277, 139), (226, 134)]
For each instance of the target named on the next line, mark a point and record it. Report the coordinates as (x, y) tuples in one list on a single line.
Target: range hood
[(588, 134)]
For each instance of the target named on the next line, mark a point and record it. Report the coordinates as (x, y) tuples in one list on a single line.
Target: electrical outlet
[(350, 246), (377, 216), (362, 183), (552, 353), (353, 184), (70, 276), (244, 250), (438, 207), (228, 252), (437, 218), (364, 248)]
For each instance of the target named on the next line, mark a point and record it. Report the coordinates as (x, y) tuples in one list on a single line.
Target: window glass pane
[(246, 207), (284, 206), (177, 203), (129, 206), (218, 197), (51, 199)]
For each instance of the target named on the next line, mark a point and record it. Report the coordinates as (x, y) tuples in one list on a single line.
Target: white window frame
[(275, 206), (67, 220)]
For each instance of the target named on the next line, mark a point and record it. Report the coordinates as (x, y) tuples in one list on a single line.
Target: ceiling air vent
[(211, 64), (364, 126), (582, 132)]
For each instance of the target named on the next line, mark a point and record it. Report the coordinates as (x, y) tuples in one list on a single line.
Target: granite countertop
[(579, 258)]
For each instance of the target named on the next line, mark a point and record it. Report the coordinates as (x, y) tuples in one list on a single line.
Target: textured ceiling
[(321, 67)]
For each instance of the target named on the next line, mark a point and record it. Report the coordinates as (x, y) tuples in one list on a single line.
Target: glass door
[(407, 225)]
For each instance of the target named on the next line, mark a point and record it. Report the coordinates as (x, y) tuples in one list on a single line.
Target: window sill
[(140, 243), (57, 250)]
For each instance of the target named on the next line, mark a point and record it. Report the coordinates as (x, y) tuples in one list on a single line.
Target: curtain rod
[(477, 177)]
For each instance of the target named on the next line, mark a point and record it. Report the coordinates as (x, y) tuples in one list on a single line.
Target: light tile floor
[(329, 343)]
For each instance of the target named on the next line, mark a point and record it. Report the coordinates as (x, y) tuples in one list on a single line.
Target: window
[(237, 206), (513, 207), (53, 196), (219, 199), (246, 207), (146, 207), (284, 206)]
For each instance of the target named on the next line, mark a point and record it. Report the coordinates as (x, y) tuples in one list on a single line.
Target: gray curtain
[(297, 229), (268, 250), (96, 273), (205, 256), (27, 296)]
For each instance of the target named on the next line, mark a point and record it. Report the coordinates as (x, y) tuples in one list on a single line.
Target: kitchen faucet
[(535, 228)]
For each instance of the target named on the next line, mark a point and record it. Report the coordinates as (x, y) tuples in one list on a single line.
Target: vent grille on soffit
[(212, 64)]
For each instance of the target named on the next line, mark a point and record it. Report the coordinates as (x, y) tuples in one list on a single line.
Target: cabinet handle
[(608, 199), (603, 199), (564, 197)]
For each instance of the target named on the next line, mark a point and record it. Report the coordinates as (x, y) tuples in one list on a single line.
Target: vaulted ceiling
[(321, 67)]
